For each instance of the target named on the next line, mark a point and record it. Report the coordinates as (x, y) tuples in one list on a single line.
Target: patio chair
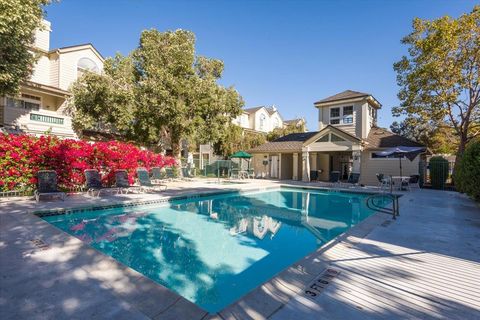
[(334, 179), (122, 183), (93, 182), (146, 184), (47, 185), (157, 175), (171, 175), (186, 174), (234, 173), (414, 180), (382, 181)]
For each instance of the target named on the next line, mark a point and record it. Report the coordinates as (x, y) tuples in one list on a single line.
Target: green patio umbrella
[(241, 155)]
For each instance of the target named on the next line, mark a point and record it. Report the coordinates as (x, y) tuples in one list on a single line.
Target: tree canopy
[(161, 91), (439, 79), (18, 21), (439, 138)]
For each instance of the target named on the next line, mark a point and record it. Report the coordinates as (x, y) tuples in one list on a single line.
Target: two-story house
[(347, 140), (41, 105), (262, 119)]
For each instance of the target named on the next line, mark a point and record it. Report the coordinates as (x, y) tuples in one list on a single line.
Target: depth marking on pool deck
[(316, 287), (39, 244)]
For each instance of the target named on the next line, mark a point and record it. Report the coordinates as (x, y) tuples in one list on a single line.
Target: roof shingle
[(347, 94), (290, 142), (382, 138)]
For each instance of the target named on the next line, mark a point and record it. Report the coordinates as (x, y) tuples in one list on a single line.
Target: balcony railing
[(46, 119)]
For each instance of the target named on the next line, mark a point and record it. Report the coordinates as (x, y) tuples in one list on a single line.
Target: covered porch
[(311, 157)]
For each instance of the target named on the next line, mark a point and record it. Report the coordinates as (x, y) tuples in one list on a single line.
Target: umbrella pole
[(400, 158)]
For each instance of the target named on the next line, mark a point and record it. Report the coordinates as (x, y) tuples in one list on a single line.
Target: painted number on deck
[(319, 284)]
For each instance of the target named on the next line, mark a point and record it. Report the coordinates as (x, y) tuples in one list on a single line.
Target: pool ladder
[(373, 204)]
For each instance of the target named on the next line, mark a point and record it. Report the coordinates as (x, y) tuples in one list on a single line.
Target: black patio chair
[(93, 183), (47, 185), (146, 183), (122, 183)]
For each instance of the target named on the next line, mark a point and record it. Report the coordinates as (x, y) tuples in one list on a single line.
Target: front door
[(274, 167)]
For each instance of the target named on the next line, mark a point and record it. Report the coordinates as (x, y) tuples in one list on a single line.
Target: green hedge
[(438, 172), (467, 171)]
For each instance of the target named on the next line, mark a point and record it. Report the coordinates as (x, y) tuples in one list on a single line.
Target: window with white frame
[(26, 101), (334, 115), (262, 121), (348, 114), (86, 65), (276, 123), (341, 115)]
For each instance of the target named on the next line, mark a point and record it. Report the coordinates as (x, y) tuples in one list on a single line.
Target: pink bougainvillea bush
[(21, 156)]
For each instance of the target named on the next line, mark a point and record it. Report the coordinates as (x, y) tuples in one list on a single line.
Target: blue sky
[(286, 53)]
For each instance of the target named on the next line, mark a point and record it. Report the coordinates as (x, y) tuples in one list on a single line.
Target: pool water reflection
[(213, 250)]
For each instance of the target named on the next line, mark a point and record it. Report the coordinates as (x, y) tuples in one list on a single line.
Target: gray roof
[(253, 109), (382, 138), (347, 94), (298, 136), (290, 142)]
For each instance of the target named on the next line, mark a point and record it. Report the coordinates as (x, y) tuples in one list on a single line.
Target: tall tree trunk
[(176, 146)]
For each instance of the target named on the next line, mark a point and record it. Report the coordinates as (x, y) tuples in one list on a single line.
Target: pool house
[(347, 141)]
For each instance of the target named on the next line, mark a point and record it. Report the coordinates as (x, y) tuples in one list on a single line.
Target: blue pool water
[(213, 250)]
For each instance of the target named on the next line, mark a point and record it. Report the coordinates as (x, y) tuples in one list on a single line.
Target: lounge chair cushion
[(47, 181), (93, 179), (143, 177), (121, 179)]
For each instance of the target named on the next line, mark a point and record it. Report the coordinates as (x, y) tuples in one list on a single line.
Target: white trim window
[(86, 65), (26, 102), (262, 121), (341, 115)]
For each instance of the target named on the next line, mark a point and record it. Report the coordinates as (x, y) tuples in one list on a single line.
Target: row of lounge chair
[(47, 182)]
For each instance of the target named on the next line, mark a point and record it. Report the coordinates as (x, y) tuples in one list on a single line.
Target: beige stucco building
[(346, 141), (41, 104), (263, 119)]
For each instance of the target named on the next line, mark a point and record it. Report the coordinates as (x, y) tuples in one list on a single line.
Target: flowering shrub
[(21, 156)]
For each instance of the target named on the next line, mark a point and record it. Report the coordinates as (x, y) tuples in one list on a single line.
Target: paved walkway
[(426, 264)]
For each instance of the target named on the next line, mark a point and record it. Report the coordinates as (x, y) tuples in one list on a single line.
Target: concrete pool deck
[(426, 264)]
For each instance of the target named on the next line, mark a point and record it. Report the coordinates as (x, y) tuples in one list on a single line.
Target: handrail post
[(394, 208)]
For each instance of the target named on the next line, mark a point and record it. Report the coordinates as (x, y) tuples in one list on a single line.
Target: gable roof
[(79, 47), (382, 138), (333, 129), (294, 142), (348, 95), (253, 109)]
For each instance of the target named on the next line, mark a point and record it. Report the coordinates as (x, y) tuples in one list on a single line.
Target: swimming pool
[(214, 249)]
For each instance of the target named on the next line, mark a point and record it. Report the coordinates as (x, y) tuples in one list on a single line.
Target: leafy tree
[(467, 175), (439, 80), (18, 21), (162, 92), (280, 132), (236, 139), (106, 102), (438, 138)]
